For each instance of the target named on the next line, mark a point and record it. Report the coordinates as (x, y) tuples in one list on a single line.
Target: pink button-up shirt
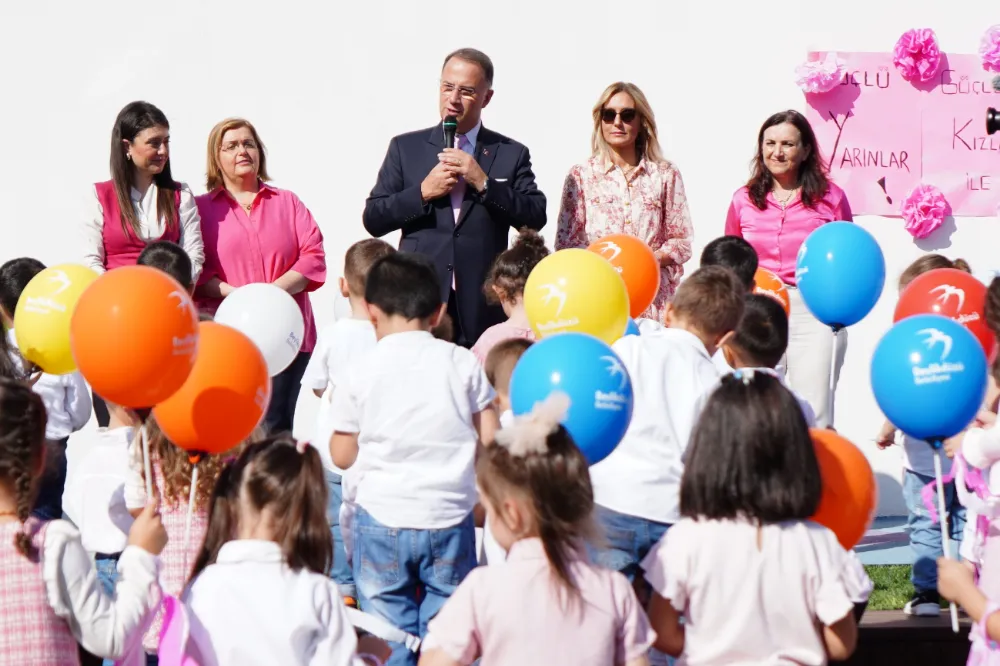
[(279, 235), (777, 234)]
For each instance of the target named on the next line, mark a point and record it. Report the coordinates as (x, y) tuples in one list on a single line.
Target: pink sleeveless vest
[(121, 248), (30, 631)]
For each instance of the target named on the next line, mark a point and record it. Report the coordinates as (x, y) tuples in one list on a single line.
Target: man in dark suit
[(457, 205)]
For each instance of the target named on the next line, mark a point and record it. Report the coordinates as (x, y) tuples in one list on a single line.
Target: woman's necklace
[(788, 197)]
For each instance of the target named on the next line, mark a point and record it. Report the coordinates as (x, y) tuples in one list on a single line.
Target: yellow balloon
[(576, 290), (43, 313)]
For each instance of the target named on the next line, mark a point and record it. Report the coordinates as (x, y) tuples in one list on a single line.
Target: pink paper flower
[(989, 49), (820, 76), (916, 55), (924, 210)]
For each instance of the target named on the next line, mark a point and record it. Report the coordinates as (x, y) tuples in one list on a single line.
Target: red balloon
[(951, 293)]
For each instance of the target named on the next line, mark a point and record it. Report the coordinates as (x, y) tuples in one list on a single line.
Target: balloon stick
[(833, 377), (945, 538), (190, 512), (146, 462)]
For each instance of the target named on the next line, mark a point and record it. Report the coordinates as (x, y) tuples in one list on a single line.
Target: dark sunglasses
[(609, 115)]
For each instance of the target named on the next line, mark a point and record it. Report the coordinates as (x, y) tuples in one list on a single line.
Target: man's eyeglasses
[(448, 88), (609, 115)]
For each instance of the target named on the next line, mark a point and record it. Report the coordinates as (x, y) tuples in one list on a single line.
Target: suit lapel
[(486, 151)]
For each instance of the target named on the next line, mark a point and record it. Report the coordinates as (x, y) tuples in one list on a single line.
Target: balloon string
[(945, 537), (833, 380), (190, 514), (146, 462)]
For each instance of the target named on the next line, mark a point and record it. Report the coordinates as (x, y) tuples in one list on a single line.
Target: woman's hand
[(663, 258)]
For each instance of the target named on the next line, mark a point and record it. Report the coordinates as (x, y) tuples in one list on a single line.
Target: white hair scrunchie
[(530, 432)]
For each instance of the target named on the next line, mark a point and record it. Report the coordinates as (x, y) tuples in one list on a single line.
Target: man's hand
[(461, 163), (438, 182), (886, 436)]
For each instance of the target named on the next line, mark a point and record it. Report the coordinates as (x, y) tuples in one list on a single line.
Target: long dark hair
[(511, 268), (273, 474), (22, 440), (14, 276), (751, 456), (134, 118), (812, 172)]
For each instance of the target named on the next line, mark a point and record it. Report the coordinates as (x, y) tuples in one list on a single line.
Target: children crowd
[(475, 535)]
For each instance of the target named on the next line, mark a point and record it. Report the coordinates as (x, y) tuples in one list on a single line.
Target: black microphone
[(450, 126), (992, 115)]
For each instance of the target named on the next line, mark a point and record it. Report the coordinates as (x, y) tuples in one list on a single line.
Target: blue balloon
[(929, 376), (631, 328), (840, 272), (594, 378)]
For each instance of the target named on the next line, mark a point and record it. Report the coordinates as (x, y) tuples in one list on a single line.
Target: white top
[(918, 456), (339, 344), (411, 400), (97, 465), (720, 363), (66, 397), (251, 608), (648, 325), (672, 376), (109, 626), (151, 227), (749, 604)]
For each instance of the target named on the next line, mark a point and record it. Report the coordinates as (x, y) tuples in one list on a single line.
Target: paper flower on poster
[(924, 210), (916, 55), (820, 76), (989, 49)]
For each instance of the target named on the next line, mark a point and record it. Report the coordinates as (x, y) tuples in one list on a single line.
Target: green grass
[(892, 586)]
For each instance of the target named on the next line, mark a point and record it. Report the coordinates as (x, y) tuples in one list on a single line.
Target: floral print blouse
[(651, 205)]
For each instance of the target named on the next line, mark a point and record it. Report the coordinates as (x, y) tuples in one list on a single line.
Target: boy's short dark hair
[(360, 258), (169, 258), (500, 362), (734, 253), (762, 334), (711, 300), (751, 455), (14, 277), (404, 284)]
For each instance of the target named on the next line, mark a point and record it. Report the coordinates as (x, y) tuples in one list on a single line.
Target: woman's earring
[(128, 156)]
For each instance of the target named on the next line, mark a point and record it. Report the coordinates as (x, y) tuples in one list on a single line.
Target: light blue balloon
[(840, 272), (929, 376), (594, 378), (631, 328)]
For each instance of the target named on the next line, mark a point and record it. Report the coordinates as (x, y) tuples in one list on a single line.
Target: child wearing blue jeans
[(412, 413)]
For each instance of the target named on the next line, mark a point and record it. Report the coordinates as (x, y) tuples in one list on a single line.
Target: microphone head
[(992, 121), (996, 83), (450, 122)]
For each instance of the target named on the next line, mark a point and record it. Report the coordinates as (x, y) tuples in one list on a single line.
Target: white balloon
[(270, 317)]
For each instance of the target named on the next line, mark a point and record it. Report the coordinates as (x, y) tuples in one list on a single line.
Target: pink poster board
[(884, 135)]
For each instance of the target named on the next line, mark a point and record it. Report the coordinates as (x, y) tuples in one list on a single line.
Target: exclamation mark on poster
[(881, 183)]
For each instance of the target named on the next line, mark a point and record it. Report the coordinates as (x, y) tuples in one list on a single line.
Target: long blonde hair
[(647, 146), (213, 173)]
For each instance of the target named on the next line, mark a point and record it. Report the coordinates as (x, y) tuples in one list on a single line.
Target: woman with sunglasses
[(255, 232), (627, 187)]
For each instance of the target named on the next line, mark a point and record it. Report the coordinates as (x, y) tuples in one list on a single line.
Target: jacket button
[(457, 234), (450, 267)]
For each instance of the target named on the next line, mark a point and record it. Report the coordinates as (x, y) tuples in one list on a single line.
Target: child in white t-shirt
[(745, 576), (338, 346), (412, 413)]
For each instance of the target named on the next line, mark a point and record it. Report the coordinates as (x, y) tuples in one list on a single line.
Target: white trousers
[(807, 361)]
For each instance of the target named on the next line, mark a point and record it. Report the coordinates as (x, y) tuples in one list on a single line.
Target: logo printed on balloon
[(184, 302), (940, 371), (42, 305), (613, 400), (260, 399), (294, 342), (63, 280), (947, 291), (615, 250), (553, 292), (799, 272)]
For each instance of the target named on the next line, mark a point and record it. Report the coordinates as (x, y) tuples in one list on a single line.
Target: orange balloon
[(224, 397), (134, 334), (849, 491), (637, 265), (769, 284)]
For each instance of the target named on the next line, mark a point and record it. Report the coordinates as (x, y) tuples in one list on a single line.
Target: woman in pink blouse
[(627, 187), (254, 232), (789, 194)]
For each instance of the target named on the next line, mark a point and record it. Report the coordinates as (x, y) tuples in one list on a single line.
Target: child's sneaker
[(923, 604)]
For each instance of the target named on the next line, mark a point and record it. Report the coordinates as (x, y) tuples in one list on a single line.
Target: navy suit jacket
[(465, 249)]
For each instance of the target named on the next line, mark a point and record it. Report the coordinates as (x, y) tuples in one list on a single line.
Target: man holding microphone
[(457, 203)]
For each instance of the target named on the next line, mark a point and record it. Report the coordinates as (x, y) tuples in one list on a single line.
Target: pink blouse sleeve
[(572, 225), (842, 210), (635, 636), (676, 219), (312, 258), (453, 630), (733, 227)]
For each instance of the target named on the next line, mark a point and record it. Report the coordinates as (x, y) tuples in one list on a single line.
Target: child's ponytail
[(22, 439), (510, 271)]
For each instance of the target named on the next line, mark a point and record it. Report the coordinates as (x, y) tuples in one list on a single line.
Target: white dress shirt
[(97, 465), (151, 227), (103, 625), (411, 401), (672, 376), (251, 608), (67, 398)]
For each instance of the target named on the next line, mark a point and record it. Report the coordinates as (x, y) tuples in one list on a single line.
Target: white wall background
[(328, 84)]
